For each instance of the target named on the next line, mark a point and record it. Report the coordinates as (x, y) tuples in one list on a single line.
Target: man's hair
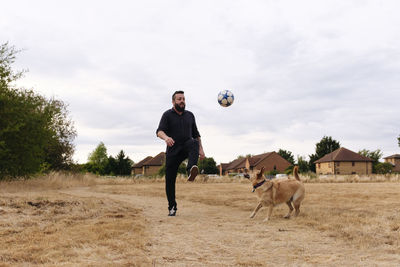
[(176, 92)]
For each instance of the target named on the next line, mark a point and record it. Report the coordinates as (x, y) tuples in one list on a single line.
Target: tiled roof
[(342, 154), (156, 161), (224, 165), (141, 163), (395, 156), (236, 163), (241, 162), (254, 160)]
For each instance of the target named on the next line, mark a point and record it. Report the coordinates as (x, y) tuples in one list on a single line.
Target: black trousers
[(175, 156)]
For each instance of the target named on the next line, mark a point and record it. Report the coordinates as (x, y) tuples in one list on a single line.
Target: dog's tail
[(296, 173)]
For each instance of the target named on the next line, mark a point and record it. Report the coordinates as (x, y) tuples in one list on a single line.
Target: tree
[(111, 166), (7, 58), (286, 155), (374, 155), (98, 160), (398, 140), (123, 164), (325, 146), (208, 165), (60, 147), (35, 133), (303, 164), (383, 167)]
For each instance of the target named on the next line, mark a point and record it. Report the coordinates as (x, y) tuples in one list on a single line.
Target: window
[(353, 163), (338, 164)]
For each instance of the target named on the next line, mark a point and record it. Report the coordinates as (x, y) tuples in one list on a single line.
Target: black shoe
[(172, 212), (193, 173)]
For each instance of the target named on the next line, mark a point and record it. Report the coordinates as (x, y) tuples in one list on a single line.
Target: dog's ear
[(261, 172)]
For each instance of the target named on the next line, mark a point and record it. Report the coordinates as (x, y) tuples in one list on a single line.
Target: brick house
[(149, 165), (343, 161), (395, 161), (152, 166), (138, 167), (270, 161)]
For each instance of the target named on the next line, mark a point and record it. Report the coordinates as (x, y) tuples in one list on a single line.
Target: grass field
[(83, 220)]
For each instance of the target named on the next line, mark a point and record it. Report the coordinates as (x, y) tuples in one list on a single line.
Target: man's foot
[(172, 212), (193, 173)]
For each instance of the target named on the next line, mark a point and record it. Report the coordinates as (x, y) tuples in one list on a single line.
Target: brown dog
[(271, 193)]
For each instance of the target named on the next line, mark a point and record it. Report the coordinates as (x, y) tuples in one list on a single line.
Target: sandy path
[(206, 235)]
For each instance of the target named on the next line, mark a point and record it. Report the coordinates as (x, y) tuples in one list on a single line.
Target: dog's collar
[(258, 185)]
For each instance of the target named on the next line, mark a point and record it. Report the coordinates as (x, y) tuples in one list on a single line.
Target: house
[(222, 168), (343, 161), (152, 166), (149, 165), (236, 166), (270, 161), (395, 161)]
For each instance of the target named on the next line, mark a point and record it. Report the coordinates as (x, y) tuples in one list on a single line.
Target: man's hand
[(201, 153), (169, 141)]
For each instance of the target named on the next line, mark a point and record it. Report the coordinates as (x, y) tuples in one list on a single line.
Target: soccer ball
[(225, 98)]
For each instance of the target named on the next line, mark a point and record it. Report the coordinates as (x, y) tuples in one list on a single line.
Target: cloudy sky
[(299, 70)]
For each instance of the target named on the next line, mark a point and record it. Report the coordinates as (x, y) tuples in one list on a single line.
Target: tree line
[(36, 134), (100, 163)]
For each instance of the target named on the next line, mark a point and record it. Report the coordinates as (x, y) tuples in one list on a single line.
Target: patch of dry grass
[(41, 226), (54, 180)]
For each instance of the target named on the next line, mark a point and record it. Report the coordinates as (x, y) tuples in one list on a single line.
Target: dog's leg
[(297, 207), (270, 208), (255, 210), (290, 209)]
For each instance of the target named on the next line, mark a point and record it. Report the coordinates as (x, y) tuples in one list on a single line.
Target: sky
[(299, 71)]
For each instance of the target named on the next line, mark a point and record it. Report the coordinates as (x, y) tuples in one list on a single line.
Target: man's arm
[(168, 140), (201, 151)]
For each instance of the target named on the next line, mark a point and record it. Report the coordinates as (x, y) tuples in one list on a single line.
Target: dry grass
[(111, 223), (39, 225)]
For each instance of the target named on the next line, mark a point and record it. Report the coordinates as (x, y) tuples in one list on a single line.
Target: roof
[(241, 162), (236, 164), (141, 163), (395, 156), (342, 154), (156, 161), (223, 166), (254, 160)]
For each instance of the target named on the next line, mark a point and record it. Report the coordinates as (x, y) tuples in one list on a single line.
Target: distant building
[(149, 165), (343, 161), (395, 161), (138, 167), (270, 161)]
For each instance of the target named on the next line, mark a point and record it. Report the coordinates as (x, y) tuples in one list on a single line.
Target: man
[(179, 131)]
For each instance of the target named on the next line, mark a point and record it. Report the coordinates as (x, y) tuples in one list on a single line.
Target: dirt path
[(207, 235)]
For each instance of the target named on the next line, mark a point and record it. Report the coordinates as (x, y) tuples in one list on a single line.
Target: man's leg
[(171, 169), (192, 150)]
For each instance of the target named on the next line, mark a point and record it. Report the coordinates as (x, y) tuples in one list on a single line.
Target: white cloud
[(299, 70)]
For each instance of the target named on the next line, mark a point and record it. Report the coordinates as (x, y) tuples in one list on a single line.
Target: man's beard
[(179, 108)]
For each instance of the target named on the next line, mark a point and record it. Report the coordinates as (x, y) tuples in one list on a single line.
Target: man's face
[(179, 102)]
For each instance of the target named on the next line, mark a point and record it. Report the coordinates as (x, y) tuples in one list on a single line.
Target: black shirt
[(179, 127)]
